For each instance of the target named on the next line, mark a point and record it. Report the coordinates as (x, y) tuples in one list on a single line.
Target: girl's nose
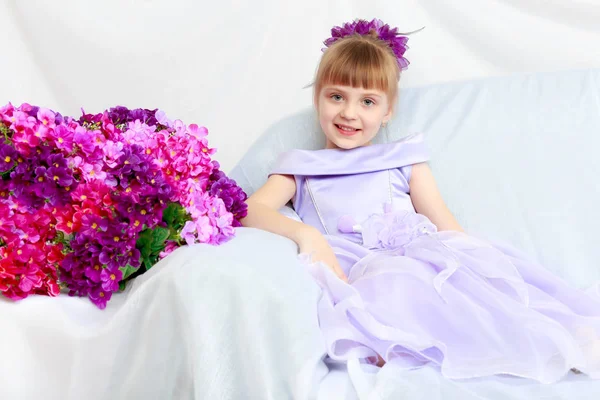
[(348, 112)]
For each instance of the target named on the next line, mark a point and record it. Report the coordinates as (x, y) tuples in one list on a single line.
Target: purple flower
[(58, 119), (118, 115), (69, 262), (30, 110), (110, 279), (134, 258), (122, 115), (89, 118), (57, 160), (92, 224), (146, 116), (61, 176), (128, 162), (106, 255), (396, 41), (100, 297), (8, 157), (93, 272), (230, 193)]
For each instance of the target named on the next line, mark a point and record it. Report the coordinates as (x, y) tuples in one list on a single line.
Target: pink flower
[(161, 158), (205, 229), (24, 253), (162, 119), (169, 248), (25, 141), (46, 117), (188, 233), (30, 279), (7, 110), (21, 121), (179, 128), (138, 133), (29, 235), (198, 132), (91, 172), (112, 152)]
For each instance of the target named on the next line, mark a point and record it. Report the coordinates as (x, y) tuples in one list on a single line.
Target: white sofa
[(515, 158)]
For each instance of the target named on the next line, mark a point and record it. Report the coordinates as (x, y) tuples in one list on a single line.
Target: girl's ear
[(387, 117)]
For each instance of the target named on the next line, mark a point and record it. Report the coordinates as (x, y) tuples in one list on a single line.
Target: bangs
[(359, 64)]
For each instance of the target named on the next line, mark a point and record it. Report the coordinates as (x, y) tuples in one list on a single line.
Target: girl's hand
[(313, 243)]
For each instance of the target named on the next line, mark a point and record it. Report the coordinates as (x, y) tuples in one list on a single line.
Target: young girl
[(401, 282)]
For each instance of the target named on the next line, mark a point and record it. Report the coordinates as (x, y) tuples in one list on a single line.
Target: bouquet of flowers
[(87, 204)]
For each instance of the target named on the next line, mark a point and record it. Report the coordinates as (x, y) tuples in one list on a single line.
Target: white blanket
[(229, 322)]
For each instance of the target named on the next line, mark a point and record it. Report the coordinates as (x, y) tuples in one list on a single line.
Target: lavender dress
[(418, 296)]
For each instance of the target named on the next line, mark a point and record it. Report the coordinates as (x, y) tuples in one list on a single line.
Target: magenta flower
[(63, 138), (84, 141)]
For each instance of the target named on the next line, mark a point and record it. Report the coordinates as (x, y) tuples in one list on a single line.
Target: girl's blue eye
[(368, 102), (336, 97)]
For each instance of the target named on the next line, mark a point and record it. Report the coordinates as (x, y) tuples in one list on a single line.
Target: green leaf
[(175, 216), (127, 271), (122, 285), (147, 263), (144, 243), (160, 235), (170, 213)]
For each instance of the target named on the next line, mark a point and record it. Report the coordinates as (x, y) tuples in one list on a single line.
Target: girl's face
[(351, 117)]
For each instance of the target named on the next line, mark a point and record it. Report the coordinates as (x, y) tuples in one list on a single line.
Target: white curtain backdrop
[(237, 66)]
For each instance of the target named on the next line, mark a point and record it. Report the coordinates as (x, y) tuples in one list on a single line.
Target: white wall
[(236, 66)]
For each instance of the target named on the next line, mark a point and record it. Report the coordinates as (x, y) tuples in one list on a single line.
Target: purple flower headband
[(394, 39)]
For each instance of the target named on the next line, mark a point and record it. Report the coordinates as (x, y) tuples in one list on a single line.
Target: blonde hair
[(359, 61)]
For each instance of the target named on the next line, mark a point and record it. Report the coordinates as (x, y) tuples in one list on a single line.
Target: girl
[(401, 282)]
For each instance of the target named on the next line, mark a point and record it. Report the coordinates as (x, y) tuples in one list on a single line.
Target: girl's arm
[(427, 200), (263, 213), (264, 205)]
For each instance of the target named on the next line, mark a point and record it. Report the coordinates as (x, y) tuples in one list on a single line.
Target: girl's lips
[(346, 132)]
